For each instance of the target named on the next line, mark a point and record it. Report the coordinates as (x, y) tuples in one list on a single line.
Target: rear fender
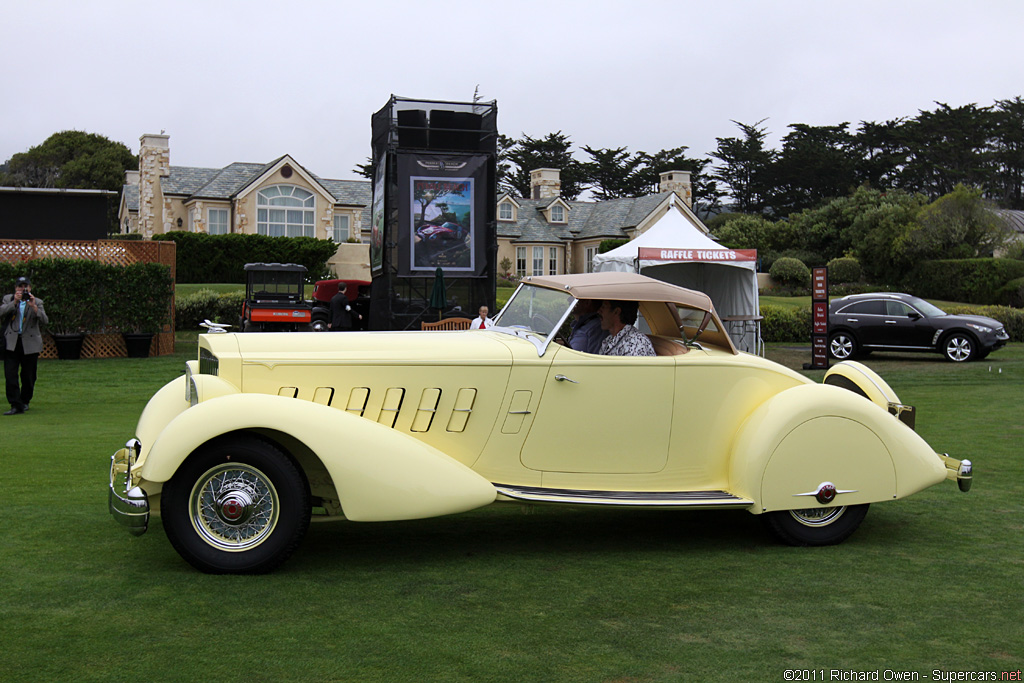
[(380, 474), (863, 380), (814, 434)]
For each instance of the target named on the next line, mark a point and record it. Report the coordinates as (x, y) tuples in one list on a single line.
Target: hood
[(388, 348), (976, 319)]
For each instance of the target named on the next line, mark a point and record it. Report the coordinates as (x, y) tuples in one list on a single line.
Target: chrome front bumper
[(129, 505), (960, 471)]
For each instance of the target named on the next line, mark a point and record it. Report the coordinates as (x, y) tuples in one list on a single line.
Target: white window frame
[(589, 254), (552, 260), (341, 234), (511, 212), (285, 211), (210, 223), (520, 261), (557, 213), (538, 261)]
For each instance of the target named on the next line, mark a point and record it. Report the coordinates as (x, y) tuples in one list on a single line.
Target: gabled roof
[(587, 220), (190, 183)]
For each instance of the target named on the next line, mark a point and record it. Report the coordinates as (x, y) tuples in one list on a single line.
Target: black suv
[(861, 323)]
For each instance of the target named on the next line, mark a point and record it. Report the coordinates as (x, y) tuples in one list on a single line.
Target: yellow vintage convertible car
[(263, 430)]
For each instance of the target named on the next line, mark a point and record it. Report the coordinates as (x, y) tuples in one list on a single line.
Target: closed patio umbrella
[(439, 295)]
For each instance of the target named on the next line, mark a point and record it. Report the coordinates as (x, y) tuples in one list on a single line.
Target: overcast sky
[(252, 80)]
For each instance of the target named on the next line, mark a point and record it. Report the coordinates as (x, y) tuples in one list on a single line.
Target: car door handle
[(890, 322), (563, 378)]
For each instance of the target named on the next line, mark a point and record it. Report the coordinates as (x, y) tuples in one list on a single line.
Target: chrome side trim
[(716, 499)]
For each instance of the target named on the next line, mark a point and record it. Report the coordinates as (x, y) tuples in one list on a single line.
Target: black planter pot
[(138, 344), (69, 346)]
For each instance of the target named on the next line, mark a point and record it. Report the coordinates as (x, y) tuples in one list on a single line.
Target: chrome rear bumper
[(129, 505), (960, 471)]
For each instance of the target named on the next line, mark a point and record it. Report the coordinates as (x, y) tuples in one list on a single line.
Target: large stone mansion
[(542, 234)]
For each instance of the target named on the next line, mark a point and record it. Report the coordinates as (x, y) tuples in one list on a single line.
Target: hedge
[(222, 258), (206, 304), (976, 281), (89, 296)]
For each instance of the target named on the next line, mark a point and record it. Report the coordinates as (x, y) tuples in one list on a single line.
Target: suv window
[(865, 308), (898, 308)]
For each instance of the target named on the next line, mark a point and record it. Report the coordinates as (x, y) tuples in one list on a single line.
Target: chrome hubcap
[(816, 517), (959, 349), (234, 507), (842, 347)]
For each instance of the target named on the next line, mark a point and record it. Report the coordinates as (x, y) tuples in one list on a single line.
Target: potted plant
[(68, 288), (139, 304)]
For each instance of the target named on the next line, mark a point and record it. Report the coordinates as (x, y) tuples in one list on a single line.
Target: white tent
[(676, 251)]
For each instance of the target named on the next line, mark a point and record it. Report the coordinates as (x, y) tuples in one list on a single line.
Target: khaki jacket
[(31, 337)]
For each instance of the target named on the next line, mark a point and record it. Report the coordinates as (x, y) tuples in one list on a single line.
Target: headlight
[(980, 328)]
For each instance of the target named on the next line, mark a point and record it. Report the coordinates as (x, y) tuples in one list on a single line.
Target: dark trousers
[(20, 397)]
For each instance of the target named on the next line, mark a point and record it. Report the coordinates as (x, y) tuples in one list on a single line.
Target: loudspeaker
[(454, 131), (412, 128)]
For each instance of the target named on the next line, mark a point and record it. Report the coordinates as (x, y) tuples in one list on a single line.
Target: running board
[(709, 499)]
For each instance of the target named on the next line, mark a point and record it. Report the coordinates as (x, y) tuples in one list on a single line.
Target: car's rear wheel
[(842, 346), (816, 526), (959, 347), (319, 325), (238, 505)]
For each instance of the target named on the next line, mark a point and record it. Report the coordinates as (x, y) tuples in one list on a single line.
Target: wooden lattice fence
[(113, 252)]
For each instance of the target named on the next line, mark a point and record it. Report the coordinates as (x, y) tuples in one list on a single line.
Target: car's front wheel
[(959, 347), (238, 505), (842, 346), (816, 526)]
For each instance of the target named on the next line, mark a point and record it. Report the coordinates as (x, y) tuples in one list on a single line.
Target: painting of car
[(263, 431), (446, 231), (884, 321)]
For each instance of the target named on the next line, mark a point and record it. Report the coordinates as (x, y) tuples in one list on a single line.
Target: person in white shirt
[(483, 322)]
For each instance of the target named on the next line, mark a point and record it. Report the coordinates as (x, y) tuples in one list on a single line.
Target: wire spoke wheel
[(237, 505), (817, 517), (234, 507)]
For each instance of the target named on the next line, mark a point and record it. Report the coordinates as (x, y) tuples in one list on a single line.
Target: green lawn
[(930, 582)]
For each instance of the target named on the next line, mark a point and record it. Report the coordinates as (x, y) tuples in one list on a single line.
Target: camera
[(26, 296)]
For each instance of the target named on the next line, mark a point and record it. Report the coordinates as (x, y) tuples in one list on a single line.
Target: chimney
[(131, 178), (154, 163), (545, 183), (678, 182)]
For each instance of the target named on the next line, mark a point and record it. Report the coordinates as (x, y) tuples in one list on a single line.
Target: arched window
[(285, 211)]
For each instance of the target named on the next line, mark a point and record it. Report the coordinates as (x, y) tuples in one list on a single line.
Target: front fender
[(380, 474), (814, 433)]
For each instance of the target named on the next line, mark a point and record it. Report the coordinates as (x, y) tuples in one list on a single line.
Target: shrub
[(783, 324), (844, 270), (222, 258), (1012, 293), (205, 304), (608, 245), (790, 272), (976, 281)]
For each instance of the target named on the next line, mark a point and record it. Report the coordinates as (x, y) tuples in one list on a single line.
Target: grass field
[(933, 582)]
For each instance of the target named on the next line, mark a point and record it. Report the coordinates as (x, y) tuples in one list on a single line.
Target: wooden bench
[(448, 324)]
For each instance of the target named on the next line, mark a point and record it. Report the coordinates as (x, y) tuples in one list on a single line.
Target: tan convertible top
[(622, 287), (640, 288)]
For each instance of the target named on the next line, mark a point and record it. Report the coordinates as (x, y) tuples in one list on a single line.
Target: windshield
[(536, 309), (926, 309)]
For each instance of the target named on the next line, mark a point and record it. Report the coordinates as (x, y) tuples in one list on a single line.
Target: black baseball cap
[(23, 280)]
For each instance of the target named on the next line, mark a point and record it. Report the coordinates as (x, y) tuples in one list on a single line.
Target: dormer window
[(506, 212), (557, 214)]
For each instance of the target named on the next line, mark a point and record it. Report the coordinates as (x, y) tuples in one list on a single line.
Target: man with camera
[(20, 314)]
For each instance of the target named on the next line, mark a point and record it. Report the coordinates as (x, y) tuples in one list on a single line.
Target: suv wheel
[(959, 347), (842, 346)]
